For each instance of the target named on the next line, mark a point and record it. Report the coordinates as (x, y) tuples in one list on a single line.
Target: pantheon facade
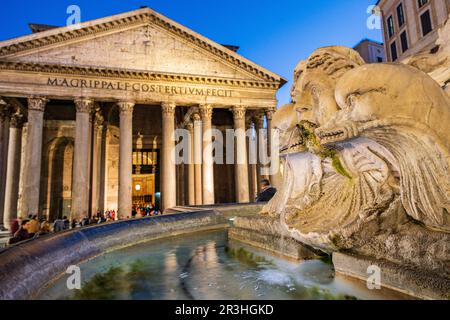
[(88, 114)]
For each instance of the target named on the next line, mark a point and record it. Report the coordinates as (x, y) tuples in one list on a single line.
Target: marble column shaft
[(96, 160), (259, 126), (206, 112), (4, 139), (251, 166), (241, 167), (81, 167), (33, 156), (126, 158), (198, 157), (275, 179), (191, 167), (13, 169), (168, 166)]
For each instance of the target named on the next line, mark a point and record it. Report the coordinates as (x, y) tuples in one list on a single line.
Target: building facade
[(88, 115), (371, 51), (410, 26)]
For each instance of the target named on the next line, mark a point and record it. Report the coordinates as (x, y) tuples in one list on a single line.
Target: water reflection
[(207, 266), (170, 267)]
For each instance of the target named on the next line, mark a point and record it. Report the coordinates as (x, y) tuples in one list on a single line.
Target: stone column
[(96, 160), (259, 126), (191, 167), (168, 166), (33, 156), (241, 167), (275, 179), (5, 111), (81, 168), (198, 157), (251, 167), (180, 182), (13, 171), (206, 112), (126, 158)]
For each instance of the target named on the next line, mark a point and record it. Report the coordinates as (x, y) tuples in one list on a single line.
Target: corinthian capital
[(206, 111), (239, 113), (259, 120), (270, 112), (168, 108), (17, 120), (5, 111), (37, 103), (126, 107), (196, 117), (84, 105), (190, 126)]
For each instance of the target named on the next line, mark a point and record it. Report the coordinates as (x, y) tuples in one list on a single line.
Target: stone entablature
[(109, 88)]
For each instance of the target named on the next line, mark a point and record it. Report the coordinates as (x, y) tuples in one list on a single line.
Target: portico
[(85, 94)]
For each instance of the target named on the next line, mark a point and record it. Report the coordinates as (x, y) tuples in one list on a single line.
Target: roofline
[(368, 40), (378, 2), (151, 13)]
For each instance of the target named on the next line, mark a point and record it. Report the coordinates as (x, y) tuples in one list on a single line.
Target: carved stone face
[(387, 93), (313, 95), (316, 103), (285, 121), (405, 111)]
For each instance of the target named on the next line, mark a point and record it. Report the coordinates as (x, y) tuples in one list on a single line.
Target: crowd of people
[(22, 229), (145, 211)]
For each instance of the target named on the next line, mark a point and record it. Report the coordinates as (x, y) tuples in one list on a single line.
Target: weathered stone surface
[(268, 234), (366, 162), (409, 281)]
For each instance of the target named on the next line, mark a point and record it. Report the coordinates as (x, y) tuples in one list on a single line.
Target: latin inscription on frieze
[(137, 87)]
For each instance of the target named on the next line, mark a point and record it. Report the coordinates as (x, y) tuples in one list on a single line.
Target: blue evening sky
[(276, 34)]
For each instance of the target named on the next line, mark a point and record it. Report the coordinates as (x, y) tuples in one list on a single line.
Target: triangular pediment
[(139, 40)]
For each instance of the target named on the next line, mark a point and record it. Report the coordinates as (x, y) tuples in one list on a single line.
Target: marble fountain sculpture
[(366, 169)]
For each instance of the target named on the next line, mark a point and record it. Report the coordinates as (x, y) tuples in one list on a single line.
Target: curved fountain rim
[(29, 266)]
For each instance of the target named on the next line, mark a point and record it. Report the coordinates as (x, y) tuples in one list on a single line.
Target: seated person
[(267, 191), (21, 234), (33, 226)]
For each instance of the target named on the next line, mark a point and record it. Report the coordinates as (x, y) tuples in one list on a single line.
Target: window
[(404, 41), (425, 19), (421, 3), (394, 54), (390, 23), (400, 15)]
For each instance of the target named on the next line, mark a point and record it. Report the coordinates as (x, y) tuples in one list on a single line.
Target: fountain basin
[(27, 267), (208, 266)]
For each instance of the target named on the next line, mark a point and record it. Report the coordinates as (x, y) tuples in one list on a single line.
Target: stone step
[(4, 234), (181, 209)]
